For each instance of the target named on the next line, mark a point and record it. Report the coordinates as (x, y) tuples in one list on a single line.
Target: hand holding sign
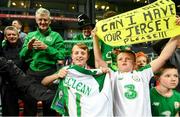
[(177, 20)]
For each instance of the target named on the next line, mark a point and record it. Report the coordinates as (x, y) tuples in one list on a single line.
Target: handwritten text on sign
[(152, 22)]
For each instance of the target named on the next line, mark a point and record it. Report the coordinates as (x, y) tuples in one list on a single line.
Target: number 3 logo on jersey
[(130, 91)]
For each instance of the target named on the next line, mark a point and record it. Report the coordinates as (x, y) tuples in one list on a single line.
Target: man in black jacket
[(24, 84), (11, 46)]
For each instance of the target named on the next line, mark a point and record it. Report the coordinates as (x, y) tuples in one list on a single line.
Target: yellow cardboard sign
[(152, 22)]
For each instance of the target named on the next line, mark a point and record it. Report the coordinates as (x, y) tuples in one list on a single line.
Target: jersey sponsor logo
[(176, 105), (130, 92), (156, 103), (77, 85)]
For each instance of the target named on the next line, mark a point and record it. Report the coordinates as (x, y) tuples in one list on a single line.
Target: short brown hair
[(82, 46), (129, 52), (19, 22), (164, 67)]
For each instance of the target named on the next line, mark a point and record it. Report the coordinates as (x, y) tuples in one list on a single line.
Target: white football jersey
[(131, 96), (86, 94)]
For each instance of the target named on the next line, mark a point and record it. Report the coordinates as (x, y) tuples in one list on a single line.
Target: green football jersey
[(164, 106)]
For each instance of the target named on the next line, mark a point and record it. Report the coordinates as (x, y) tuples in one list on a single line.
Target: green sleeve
[(4, 42)]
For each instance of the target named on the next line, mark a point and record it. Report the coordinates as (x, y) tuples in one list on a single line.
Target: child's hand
[(177, 20), (93, 32), (101, 63), (62, 73), (105, 69)]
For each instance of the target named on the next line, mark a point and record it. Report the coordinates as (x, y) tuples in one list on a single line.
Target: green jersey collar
[(45, 33), (82, 70)]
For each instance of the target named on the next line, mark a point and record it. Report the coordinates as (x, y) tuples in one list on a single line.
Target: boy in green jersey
[(164, 100)]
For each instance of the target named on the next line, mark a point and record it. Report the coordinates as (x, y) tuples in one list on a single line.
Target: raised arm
[(97, 52), (165, 54), (167, 51)]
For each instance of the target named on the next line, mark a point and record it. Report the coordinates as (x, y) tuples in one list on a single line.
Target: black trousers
[(30, 106), (10, 106)]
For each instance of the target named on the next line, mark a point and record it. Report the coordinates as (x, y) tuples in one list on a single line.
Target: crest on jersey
[(60, 94), (136, 78), (48, 38), (176, 105)]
